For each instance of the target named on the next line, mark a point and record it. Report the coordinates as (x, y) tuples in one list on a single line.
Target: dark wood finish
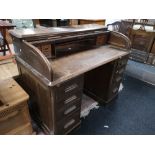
[(56, 85), (14, 114)]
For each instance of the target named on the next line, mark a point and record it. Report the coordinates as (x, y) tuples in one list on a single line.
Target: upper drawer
[(101, 39), (74, 46), (46, 49), (67, 88)]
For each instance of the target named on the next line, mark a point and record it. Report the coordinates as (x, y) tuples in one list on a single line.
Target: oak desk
[(58, 65)]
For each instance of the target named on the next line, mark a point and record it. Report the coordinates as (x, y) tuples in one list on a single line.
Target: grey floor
[(141, 71), (132, 112)]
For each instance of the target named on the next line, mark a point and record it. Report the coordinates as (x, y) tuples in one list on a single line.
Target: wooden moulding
[(120, 40)]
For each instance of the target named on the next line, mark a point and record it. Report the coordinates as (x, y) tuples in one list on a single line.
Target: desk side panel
[(33, 57), (41, 98)]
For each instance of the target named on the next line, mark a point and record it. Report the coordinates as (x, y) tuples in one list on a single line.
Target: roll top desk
[(57, 65)]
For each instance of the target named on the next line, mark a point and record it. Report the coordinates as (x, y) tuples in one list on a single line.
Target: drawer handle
[(118, 79), (121, 71), (115, 90), (70, 88), (70, 99), (69, 123), (70, 110)]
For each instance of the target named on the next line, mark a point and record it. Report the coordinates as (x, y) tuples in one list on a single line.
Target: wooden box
[(14, 114)]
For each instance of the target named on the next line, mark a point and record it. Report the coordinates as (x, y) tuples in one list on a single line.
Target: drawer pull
[(70, 88), (115, 90), (70, 99), (121, 71), (69, 123), (70, 110), (118, 79)]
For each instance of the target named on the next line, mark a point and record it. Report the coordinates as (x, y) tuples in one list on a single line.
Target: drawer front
[(122, 62), (114, 89), (101, 40), (117, 77), (74, 46), (68, 88), (45, 49), (68, 110), (69, 99), (68, 124)]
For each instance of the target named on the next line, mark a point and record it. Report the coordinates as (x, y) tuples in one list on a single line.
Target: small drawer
[(69, 99), (68, 110), (114, 90), (122, 63), (117, 79), (101, 40), (68, 88), (46, 50), (68, 124), (119, 71)]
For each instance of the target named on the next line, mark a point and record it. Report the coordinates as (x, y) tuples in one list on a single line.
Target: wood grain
[(8, 70), (11, 93)]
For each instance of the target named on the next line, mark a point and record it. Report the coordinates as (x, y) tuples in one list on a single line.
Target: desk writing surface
[(73, 65)]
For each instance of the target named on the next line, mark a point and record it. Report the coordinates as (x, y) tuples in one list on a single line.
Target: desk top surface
[(33, 32), (73, 65)]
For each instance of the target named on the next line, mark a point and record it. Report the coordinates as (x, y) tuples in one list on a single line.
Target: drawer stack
[(120, 65), (68, 98)]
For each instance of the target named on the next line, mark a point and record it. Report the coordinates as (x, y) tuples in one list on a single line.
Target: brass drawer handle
[(69, 123), (70, 110), (70, 88), (72, 98)]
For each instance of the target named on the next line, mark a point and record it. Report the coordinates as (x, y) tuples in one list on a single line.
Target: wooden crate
[(14, 114)]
